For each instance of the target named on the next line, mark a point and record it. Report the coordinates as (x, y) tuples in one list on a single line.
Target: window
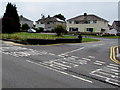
[(76, 22), (41, 22), (73, 29), (89, 30), (94, 21), (87, 22), (70, 22), (48, 22)]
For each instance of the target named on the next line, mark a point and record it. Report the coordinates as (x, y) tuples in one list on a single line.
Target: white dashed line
[(62, 64), (51, 54), (112, 67), (72, 51), (98, 63), (91, 56), (74, 56), (98, 44), (86, 59)]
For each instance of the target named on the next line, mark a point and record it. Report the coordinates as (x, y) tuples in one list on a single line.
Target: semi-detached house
[(49, 23), (24, 20), (87, 23)]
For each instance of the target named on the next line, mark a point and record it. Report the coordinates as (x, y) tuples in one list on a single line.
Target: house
[(87, 23), (49, 23), (24, 20), (116, 25), (112, 31)]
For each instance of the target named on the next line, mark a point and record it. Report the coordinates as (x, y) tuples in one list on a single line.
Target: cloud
[(33, 10)]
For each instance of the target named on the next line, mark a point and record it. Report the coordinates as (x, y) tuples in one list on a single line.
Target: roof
[(89, 17), (48, 19), (24, 19), (117, 23)]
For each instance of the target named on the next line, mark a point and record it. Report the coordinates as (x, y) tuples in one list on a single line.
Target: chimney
[(85, 14)]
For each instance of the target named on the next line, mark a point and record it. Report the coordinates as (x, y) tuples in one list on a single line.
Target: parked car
[(31, 31)]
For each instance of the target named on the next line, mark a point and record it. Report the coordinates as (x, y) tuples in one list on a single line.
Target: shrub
[(25, 27), (59, 29)]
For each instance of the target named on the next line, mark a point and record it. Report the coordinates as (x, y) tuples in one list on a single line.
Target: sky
[(33, 9)]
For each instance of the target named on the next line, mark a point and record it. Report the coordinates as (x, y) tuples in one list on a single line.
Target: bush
[(25, 27), (59, 29)]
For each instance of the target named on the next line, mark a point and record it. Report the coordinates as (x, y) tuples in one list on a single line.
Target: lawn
[(24, 36), (89, 40)]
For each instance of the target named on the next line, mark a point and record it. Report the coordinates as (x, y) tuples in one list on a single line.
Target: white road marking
[(74, 56), (86, 59), (57, 66), (112, 67), (72, 51), (108, 80), (100, 62), (109, 71), (83, 79), (83, 61), (61, 56), (51, 54), (107, 76), (62, 61), (114, 76), (62, 64), (91, 56), (98, 44)]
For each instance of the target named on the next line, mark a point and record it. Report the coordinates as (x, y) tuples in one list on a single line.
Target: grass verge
[(24, 36), (89, 40)]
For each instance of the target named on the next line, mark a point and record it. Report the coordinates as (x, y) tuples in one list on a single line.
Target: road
[(83, 65)]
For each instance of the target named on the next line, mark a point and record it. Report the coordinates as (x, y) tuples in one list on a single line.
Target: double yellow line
[(113, 55)]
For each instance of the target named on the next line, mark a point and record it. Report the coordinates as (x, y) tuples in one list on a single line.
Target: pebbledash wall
[(83, 27), (88, 23)]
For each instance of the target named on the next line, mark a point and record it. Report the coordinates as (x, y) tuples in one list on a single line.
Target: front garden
[(24, 36)]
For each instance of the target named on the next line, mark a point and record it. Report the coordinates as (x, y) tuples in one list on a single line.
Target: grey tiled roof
[(89, 17), (24, 19), (53, 19)]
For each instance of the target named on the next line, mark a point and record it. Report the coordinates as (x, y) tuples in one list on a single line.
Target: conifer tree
[(10, 20)]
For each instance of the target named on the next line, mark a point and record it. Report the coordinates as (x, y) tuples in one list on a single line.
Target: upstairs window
[(76, 22), (41, 22), (87, 22), (94, 21), (70, 22), (48, 22)]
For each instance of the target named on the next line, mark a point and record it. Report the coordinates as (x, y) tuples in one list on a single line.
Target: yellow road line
[(112, 55)]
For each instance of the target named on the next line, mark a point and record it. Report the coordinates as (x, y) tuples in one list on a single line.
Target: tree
[(59, 29), (10, 20), (25, 27), (43, 16), (60, 16)]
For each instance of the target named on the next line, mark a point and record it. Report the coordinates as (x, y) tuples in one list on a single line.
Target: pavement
[(83, 65)]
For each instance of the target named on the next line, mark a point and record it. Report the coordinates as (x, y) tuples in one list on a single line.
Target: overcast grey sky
[(33, 10)]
